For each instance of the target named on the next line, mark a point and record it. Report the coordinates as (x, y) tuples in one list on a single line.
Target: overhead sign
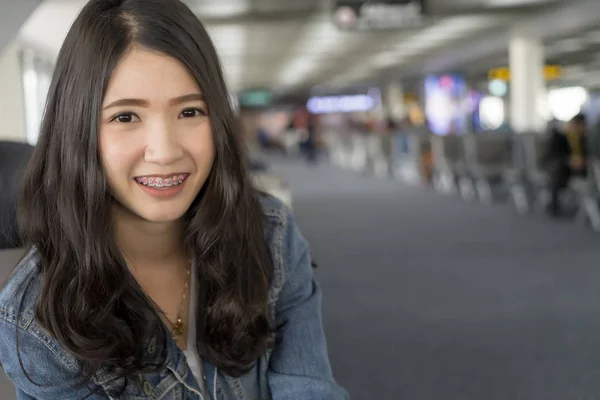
[(378, 14), (255, 98), (344, 103), (551, 73), (499, 74)]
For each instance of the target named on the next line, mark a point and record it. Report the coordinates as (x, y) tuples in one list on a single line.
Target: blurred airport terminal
[(442, 157)]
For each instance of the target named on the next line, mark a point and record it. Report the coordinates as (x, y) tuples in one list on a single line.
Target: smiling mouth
[(156, 182)]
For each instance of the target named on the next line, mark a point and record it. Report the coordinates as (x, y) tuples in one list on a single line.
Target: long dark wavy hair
[(89, 300)]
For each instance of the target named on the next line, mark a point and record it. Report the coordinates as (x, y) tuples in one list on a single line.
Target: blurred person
[(301, 117), (289, 136), (566, 157), (263, 137), (309, 144), (391, 126), (594, 141), (154, 269), (388, 138), (554, 125)]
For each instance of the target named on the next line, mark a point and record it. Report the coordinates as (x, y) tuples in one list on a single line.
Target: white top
[(191, 351)]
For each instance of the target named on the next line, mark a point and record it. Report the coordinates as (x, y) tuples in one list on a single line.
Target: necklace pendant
[(178, 328)]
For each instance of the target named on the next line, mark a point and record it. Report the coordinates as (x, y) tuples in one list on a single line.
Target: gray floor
[(427, 297)]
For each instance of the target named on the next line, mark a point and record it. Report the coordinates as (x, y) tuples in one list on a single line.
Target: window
[(37, 74)]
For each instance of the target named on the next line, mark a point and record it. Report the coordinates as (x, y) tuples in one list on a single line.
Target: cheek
[(115, 158), (203, 147)]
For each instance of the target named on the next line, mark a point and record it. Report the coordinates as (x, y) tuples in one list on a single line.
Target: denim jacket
[(297, 368)]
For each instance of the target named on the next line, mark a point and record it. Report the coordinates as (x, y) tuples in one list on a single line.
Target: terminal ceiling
[(293, 45)]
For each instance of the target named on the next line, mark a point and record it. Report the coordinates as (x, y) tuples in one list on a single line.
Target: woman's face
[(156, 141)]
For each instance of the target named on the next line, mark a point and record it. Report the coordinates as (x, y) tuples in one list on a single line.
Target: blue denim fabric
[(297, 368)]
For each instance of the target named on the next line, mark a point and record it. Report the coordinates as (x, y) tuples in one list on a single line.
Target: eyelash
[(200, 111)]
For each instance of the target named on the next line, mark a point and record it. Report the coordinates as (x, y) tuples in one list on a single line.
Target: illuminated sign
[(499, 74), (255, 98), (378, 14), (444, 106), (341, 104), (551, 73)]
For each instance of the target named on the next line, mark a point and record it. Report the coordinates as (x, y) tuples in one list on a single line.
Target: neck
[(153, 245)]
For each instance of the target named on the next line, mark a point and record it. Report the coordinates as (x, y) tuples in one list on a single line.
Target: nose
[(162, 144)]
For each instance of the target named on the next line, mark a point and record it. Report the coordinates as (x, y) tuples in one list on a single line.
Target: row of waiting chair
[(480, 166), (484, 167)]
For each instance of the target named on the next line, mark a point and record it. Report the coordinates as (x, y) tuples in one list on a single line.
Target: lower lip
[(163, 193)]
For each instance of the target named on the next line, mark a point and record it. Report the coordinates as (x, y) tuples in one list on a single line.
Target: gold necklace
[(179, 326)]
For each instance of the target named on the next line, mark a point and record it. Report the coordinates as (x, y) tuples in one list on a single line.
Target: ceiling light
[(513, 3), (320, 38), (385, 59), (566, 46), (222, 9), (229, 40)]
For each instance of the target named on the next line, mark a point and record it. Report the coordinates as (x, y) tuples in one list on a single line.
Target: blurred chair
[(8, 260), (376, 160), (448, 164), (345, 150), (14, 157), (274, 185), (487, 158), (519, 188), (359, 152), (408, 163), (528, 178), (588, 191)]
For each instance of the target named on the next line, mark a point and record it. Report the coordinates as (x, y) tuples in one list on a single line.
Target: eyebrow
[(144, 103)]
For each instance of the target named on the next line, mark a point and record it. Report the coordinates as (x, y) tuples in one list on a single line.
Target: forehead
[(147, 74)]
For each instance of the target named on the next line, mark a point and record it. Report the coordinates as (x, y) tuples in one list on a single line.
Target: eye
[(192, 112), (125, 118)]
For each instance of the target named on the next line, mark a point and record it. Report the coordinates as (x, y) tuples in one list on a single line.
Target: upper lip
[(163, 175)]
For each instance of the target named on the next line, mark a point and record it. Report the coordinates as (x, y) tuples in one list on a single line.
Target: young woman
[(154, 270)]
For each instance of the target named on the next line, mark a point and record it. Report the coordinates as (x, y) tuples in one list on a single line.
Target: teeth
[(160, 182)]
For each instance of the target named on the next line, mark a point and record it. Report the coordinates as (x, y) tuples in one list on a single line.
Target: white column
[(12, 103), (528, 94)]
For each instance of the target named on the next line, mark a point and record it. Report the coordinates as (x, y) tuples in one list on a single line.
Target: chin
[(162, 215), (164, 218), (153, 213)]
